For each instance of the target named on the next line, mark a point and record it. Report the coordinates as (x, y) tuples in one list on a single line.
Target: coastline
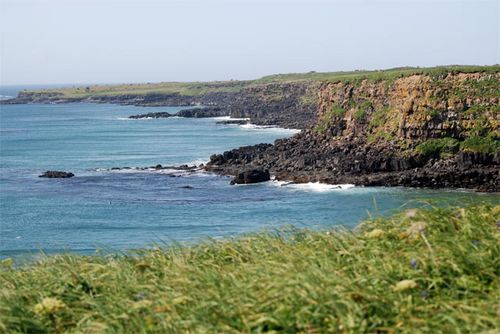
[(431, 128)]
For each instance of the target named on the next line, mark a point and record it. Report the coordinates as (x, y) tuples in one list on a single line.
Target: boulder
[(56, 174), (252, 176)]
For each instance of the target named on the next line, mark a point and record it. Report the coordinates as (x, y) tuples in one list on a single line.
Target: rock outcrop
[(251, 176), (55, 174), (417, 131), (151, 115)]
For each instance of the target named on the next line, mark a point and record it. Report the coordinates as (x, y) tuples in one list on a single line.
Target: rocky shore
[(417, 132), (288, 105), (439, 128), (303, 159)]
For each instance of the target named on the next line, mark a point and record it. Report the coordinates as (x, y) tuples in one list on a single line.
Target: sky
[(120, 41)]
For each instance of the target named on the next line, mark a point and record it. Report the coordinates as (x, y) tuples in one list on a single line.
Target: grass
[(200, 88), (326, 120), (362, 110), (422, 271)]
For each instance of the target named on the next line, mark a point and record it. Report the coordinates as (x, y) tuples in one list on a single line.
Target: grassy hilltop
[(199, 88), (423, 271)]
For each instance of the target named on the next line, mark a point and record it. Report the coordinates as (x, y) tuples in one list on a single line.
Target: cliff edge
[(422, 130)]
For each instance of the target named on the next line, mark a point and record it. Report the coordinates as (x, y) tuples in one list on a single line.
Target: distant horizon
[(62, 84), (46, 42)]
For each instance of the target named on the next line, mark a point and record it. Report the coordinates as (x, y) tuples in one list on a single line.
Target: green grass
[(379, 75), (362, 110), (337, 111), (379, 117), (430, 271), (200, 88), (325, 121), (488, 144), (437, 147)]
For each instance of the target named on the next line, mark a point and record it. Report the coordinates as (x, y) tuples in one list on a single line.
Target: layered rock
[(379, 133)]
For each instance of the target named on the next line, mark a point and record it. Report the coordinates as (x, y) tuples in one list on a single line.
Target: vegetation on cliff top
[(199, 88), (423, 271)]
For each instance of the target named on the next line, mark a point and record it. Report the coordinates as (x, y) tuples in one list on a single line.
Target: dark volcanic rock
[(151, 115), (56, 174), (286, 105), (234, 121), (307, 157), (203, 112), (252, 176)]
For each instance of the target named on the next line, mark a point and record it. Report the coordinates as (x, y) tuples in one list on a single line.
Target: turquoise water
[(119, 210)]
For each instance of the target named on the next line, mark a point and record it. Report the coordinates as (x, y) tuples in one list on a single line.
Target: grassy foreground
[(434, 271)]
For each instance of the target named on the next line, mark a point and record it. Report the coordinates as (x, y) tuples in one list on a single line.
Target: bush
[(436, 147), (481, 144), (337, 110)]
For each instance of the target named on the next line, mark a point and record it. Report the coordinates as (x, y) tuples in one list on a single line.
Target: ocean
[(105, 210)]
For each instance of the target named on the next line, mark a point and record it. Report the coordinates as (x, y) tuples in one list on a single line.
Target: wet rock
[(56, 174), (234, 121), (203, 112), (252, 176), (151, 115)]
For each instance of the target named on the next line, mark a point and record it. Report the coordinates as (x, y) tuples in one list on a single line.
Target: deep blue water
[(119, 210)]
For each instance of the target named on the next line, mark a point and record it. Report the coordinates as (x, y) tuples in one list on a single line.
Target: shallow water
[(119, 210)]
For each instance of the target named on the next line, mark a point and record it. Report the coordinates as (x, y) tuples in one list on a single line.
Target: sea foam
[(313, 186)]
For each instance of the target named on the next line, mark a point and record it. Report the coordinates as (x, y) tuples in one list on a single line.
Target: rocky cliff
[(434, 127), (425, 130)]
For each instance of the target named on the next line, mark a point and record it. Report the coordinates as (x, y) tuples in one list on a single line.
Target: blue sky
[(110, 41)]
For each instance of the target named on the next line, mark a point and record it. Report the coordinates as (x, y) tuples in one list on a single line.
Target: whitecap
[(313, 186), (272, 128), (133, 119), (197, 162)]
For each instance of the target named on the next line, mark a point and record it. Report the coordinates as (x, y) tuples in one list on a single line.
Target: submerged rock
[(252, 176), (56, 174)]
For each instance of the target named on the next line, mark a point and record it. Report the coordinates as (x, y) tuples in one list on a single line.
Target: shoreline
[(431, 128)]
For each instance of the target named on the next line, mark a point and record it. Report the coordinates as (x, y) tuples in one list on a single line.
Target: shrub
[(481, 144), (433, 113), (337, 110), (360, 114), (437, 147)]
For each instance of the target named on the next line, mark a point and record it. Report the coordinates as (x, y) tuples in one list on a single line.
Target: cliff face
[(420, 130), (413, 108)]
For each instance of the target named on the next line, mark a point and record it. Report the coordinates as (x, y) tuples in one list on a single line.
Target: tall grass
[(422, 271)]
